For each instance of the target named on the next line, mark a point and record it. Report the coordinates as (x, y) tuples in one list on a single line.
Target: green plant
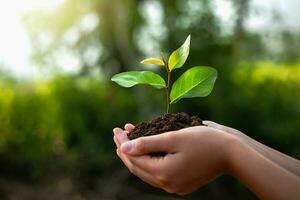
[(196, 82)]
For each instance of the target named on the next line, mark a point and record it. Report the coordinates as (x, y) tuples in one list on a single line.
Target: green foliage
[(267, 104), (129, 79), (195, 82), (67, 120)]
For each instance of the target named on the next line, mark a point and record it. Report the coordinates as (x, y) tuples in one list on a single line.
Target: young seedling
[(195, 82)]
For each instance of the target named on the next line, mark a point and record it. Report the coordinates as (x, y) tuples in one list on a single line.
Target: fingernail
[(127, 146)]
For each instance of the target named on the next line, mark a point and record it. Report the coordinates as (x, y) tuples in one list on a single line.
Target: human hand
[(194, 156)]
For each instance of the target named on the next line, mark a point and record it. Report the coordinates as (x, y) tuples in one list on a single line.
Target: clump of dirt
[(165, 123)]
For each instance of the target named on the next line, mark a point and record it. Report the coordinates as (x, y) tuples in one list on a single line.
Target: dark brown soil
[(165, 123)]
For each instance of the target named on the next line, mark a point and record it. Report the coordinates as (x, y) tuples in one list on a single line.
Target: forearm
[(285, 161), (264, 177)]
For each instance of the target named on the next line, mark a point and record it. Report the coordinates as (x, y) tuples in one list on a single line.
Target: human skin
[(197, 155), (283, 160)]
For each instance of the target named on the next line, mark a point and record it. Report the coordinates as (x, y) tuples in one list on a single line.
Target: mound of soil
[(165, 123)]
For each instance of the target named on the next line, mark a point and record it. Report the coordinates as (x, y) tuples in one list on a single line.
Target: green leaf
[(153, 61), (129, 79), (195, 82), (179, 56)]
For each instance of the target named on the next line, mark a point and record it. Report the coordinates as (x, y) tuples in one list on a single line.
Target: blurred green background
[(58, 106)]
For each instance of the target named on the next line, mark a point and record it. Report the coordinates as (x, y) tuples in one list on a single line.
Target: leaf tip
[(189, 38)]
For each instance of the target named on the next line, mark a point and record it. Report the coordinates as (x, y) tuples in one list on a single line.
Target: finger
[(221, 127), (147, 163), (216, 125), (212, 124), (127, 133), (129, 127), (116, 141), (121, 136), (139, 172), (150, 144)]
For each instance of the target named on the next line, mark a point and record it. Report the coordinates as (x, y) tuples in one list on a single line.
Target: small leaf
[(129, 79), (195, 82), (179, 56), (153, 61)]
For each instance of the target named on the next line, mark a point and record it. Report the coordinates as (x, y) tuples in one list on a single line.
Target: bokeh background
[(58, 106)]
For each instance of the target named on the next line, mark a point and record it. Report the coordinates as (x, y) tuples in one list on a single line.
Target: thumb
[(150, 144)]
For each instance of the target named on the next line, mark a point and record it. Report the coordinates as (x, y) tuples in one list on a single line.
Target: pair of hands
[(197, 155), (194, 156)]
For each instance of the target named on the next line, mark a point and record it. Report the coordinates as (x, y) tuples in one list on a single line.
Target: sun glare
[(15, 49), (27, 5), (14, 43)]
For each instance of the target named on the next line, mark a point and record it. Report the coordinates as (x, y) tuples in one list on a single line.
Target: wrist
[(233, 147)]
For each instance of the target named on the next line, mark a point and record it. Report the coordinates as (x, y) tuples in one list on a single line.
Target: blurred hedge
[(67, 122), (60, 123), (263, 100)]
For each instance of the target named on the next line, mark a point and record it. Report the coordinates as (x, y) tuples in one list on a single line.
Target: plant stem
[(168, 91), (168, 83)]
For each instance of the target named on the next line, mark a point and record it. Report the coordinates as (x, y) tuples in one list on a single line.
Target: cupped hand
[(194, 156)]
